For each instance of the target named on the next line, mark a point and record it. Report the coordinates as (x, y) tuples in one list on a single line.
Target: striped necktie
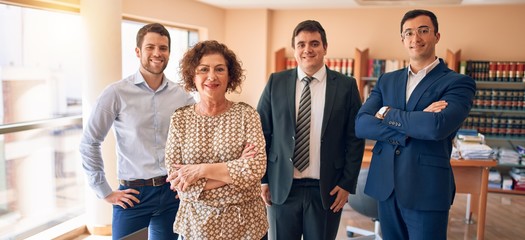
[(302, 131)]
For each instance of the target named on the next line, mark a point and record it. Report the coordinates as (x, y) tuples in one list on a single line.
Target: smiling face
[(211, 77), (309, 51), (420, 44), (154, 54)]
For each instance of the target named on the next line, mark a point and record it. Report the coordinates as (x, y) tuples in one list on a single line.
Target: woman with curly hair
[(215, 151)]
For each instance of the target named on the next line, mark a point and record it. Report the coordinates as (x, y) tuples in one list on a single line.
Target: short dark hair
[(152, 27), (309, 26), (418, 12), (191, 59)]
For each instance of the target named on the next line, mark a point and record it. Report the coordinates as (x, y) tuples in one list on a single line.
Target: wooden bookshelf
[(280, 60), (487, 81), (360, 69), (452, 59), (497, 190)]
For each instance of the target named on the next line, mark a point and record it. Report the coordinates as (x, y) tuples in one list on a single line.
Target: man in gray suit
[(305, 195)]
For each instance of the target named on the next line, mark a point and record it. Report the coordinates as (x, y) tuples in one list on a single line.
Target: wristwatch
[(381, 114)]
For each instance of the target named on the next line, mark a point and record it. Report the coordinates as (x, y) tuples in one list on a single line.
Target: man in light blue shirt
[(139, 108)]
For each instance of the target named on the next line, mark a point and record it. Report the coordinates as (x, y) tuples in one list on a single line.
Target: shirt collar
[(425, 70), (139, 79), (320, 75)]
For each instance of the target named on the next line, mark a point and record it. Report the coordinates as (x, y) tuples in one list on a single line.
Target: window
[(40, 182), (41, 176)]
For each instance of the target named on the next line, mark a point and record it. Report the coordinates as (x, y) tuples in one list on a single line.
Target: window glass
[(41, 176), (40, 57), (40, 180)]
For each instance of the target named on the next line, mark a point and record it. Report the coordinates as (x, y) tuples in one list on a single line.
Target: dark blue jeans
[(157, 210)]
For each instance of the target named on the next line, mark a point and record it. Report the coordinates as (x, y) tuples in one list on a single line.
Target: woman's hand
[(184, 176), (249, 151)]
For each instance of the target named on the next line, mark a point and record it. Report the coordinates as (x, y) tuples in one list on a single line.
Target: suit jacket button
[(291, 160), (293, 138), (398, 152)]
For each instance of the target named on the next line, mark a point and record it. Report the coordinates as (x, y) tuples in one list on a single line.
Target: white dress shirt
[(415, 78), (318, 93)]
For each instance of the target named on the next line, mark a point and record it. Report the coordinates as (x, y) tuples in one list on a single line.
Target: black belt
[(305, 182), (154, 182)]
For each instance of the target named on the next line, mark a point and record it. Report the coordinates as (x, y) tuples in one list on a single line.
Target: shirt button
[(398, 152)]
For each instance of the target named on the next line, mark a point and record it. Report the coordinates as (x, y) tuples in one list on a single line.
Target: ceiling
[(313, 4)]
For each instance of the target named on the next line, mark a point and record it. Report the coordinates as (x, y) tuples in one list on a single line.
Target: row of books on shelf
[(342, 65), (502, 99), (504, 71), (376, 67), (495, 125)]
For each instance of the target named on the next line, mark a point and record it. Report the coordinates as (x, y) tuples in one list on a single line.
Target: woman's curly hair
[(191, 59)]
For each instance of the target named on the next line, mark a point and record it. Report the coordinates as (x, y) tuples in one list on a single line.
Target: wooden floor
[(505, 219)]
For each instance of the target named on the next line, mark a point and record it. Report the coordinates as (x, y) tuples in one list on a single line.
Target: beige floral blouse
[(233, 211)]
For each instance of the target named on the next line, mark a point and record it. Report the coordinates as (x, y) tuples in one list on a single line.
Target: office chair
[(365, 205)]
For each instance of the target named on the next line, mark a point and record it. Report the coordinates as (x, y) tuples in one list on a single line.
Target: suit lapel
[(400, 100), (290, 86), (331, 87), (439, 71)]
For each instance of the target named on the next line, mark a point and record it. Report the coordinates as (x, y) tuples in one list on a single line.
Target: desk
[(472, 177)]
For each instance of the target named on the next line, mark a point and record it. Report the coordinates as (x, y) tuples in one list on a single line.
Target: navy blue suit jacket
[(341, 150), (413, 148)]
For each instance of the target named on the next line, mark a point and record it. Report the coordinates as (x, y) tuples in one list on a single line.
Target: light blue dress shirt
[(140, 118)]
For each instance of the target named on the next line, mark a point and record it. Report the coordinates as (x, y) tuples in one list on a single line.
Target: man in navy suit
[(307, 200), (414, 114)]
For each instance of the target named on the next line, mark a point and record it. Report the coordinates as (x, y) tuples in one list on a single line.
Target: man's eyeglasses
[(421, 31)]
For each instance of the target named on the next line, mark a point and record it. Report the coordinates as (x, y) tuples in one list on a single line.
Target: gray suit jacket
[(341, 150)]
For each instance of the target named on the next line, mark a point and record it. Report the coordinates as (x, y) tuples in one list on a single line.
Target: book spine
[(505, 72), (492, 71), (514, 105), (463, 67), (370, 68), (494, 99), (512, 71), (508, 98), (483, 125), (337, 65), (499, 69), (350, 67), (520, 68), (344, 66)]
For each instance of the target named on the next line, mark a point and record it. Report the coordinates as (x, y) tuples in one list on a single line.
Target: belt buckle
[(156, 182)]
